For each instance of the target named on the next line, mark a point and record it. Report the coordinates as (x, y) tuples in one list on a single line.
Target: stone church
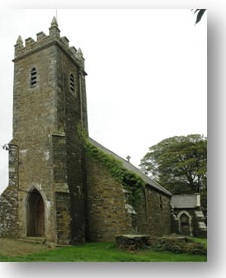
[(65, 187)]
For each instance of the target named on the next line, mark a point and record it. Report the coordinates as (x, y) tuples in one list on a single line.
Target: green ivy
[(130, 181)]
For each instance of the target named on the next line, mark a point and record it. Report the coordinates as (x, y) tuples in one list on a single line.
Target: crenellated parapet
[(42, 40)]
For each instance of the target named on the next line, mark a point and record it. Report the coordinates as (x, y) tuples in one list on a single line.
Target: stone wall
[(109, 214), (48, 154), (9, 212), (63, 218), (69, 119), (81, 199), (153, 213), (195, 224)]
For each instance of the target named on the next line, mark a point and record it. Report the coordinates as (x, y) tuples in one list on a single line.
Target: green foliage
[(180, 245), (199, 240), (102, 252), (178, 163), (196, 248), (131, 182)]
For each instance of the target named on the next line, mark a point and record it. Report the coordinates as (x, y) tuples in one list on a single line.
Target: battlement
[(43, 40)]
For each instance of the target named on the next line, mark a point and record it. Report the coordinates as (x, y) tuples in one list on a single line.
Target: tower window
[(160, 202), (72, 83), (33, 77)]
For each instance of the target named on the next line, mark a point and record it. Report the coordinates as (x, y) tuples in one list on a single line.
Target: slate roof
[(185, 201), (132, 168)]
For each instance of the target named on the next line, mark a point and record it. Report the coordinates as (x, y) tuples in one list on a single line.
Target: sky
[(147, 73)]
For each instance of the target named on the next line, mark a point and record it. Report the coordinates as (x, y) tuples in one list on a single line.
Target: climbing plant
[(131, 182)]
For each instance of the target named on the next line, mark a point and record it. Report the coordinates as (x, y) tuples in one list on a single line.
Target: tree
[(178, 163)]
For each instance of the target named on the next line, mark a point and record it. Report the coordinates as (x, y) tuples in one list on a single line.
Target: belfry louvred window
[(72, 83), (33, 77)]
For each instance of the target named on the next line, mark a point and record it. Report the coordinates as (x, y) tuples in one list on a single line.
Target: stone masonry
[(56, 191)]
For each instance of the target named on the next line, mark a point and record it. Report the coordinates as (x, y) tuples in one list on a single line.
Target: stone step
[(132, 242), (34, 239)]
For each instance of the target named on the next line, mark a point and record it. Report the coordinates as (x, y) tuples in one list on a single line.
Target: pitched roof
[(186, 201), (132, 168)]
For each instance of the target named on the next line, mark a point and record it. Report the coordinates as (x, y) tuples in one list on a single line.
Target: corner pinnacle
[(79, 52), (54, 22), (19, 40)]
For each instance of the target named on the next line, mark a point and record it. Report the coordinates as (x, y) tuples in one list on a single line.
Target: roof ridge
[(129, 166)]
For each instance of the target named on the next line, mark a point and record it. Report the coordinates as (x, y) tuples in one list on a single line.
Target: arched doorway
[(35, 214), (185, 224)]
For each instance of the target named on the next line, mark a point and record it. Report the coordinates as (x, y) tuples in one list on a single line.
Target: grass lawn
[(201, 240), (94, 252)]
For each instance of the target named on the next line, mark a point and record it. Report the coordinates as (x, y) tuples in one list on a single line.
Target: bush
[(132, 242), (178, 245), (196, 248)]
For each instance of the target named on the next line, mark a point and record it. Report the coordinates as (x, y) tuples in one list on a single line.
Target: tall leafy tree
[(178, 163)]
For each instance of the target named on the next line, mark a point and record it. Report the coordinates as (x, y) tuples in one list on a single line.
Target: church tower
[(61, 189), (46, 157)]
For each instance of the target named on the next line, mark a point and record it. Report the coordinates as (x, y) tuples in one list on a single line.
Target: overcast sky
[(147, 73)]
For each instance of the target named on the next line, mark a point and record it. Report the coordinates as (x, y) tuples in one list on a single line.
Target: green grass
[(102, 252), (200, 240)]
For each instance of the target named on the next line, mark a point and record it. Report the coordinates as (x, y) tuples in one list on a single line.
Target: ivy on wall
[(130, 181)]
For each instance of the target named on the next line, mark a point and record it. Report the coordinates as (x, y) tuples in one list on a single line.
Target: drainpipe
[(80, 95), (84, 169)]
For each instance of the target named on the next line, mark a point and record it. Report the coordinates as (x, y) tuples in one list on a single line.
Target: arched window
[(72, 83), (33, 77)]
